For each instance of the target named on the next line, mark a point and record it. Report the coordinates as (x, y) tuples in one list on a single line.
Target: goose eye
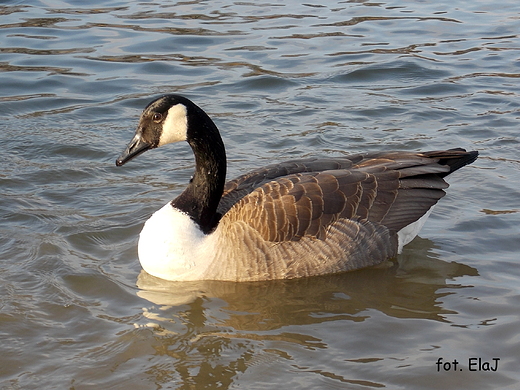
[(157, 117)]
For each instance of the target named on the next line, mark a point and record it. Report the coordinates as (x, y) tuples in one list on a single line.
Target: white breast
[(172, 247)]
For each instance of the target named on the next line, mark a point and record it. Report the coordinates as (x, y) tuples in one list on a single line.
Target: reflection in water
[(347, 295), (261, 322)]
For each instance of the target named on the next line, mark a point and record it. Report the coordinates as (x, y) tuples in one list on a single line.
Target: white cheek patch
[(175, 126)]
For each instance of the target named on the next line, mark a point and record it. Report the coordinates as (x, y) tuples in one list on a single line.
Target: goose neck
[(202, 196)]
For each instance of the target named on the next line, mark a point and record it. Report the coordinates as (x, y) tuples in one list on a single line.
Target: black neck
[(201, 198)]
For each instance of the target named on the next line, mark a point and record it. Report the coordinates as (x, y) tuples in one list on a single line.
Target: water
[(282, 80)]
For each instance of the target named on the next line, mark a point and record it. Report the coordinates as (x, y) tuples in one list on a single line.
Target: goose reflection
[(233, 332), (412, 287)]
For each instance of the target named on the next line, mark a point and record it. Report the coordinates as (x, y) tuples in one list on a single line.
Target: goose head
[(163, 121), (173, 118)]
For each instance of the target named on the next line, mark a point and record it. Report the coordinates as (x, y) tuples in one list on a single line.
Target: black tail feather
[(454, 158)]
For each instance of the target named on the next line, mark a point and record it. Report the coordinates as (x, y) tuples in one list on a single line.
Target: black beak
[(134, 149)]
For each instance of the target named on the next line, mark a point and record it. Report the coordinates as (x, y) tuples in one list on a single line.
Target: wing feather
[(304, 198)]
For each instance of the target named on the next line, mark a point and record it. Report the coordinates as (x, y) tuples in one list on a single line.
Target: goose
[(293, 219)]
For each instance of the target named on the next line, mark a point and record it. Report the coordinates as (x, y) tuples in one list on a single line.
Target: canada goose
[(289, 220)]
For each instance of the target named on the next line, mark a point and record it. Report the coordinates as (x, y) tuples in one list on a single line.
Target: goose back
[(302, 198)]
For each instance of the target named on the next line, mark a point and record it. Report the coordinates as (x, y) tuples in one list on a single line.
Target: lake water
[(282, 80)]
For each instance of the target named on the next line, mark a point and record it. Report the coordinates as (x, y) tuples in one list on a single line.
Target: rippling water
[(282, 80)]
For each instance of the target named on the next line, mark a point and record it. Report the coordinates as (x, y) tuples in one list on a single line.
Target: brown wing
[(236, 189), (391, 189)]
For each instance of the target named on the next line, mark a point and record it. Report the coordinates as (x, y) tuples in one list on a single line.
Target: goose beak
[(134, 148)]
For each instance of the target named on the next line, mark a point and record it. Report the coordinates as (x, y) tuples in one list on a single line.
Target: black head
[(163, 121)]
